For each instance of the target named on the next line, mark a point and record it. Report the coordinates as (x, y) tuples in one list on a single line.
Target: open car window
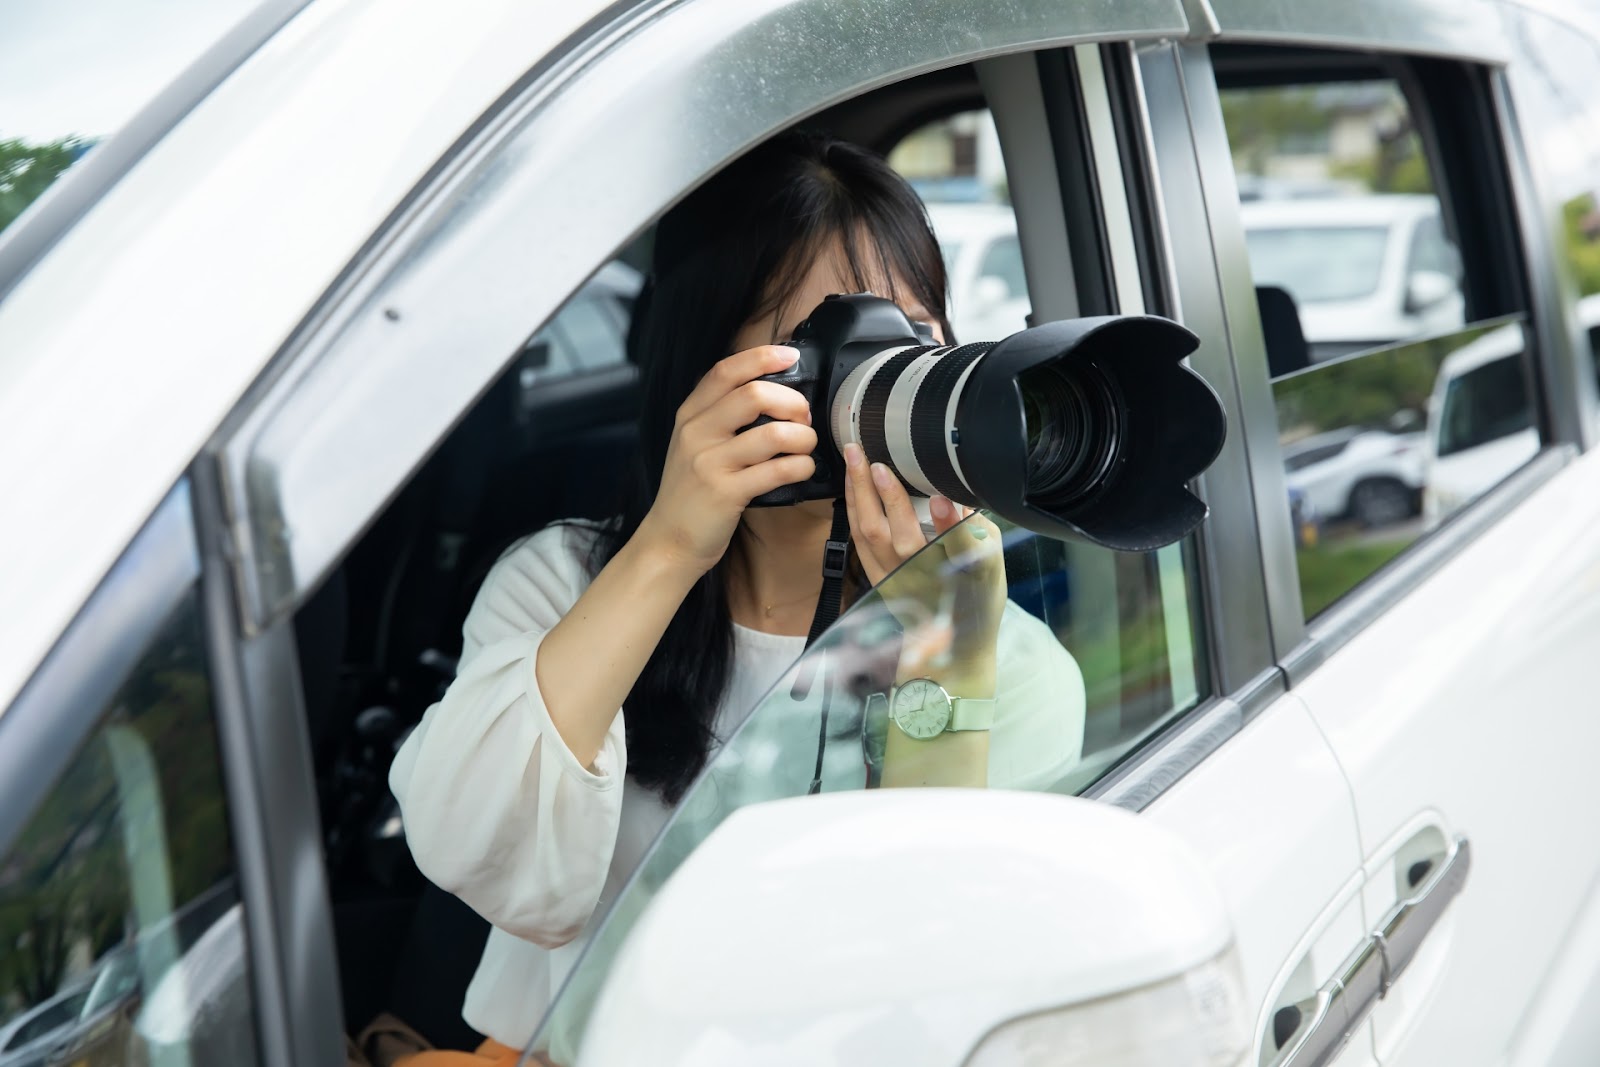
[(826, 725)]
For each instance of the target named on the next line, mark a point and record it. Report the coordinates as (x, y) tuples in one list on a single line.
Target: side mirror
[(929, 926), (1425, 288), (988, 293)]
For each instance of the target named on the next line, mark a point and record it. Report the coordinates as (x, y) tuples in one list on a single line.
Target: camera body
[(841, 334)]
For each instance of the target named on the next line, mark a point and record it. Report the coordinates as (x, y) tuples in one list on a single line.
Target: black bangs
[(732, 252)]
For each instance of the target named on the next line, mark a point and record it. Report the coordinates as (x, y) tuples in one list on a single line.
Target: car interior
[(552, 438)]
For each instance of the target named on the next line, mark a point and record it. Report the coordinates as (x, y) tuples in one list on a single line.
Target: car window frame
[(1303, 645), (401, 298)]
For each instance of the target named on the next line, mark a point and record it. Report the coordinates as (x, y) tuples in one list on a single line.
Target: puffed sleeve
[(1040, 701), (497, 809)]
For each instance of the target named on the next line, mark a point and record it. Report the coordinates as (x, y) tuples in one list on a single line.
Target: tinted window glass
[(1341, 211), (1484, 405), (120, 889)]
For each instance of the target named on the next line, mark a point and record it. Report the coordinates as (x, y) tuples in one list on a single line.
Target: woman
[(602, 664)]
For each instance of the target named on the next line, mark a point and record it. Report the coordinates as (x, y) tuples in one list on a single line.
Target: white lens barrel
[(845, 417), (897, 421)]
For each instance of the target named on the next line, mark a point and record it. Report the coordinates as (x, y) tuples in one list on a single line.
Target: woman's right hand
[(713, 470)]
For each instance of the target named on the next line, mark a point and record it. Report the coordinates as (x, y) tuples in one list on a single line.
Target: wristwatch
[(923, 709)]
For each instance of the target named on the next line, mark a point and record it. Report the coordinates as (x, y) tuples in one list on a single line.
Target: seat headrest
[(1287, 350)]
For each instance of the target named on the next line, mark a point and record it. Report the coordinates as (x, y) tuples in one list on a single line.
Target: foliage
[(1389, 172), (1259, 123), (1580, 224), (27, 170)]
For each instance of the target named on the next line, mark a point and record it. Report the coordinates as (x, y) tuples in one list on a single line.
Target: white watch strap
[(971, 713)]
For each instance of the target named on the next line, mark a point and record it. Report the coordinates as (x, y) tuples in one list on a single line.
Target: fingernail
[(852, 455), (980, 534), (788, 354), (941, 507), (881, 476)]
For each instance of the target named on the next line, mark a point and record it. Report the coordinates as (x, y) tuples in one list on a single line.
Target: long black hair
[(731, 252)]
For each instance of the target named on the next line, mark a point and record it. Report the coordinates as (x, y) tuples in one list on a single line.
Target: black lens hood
[(1173, 427)]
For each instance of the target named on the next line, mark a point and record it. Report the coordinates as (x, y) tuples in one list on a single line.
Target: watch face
[(921, 708)]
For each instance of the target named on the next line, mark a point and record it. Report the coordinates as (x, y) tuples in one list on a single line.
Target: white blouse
[(498, 811)]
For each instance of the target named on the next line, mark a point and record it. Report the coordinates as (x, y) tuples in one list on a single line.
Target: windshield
[(1319, 264), (1483, 405), (1092, 651)]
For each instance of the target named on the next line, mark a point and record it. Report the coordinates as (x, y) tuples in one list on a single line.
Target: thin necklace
[(770, 608)]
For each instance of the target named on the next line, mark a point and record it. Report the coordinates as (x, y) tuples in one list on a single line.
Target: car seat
[(1285, 341)]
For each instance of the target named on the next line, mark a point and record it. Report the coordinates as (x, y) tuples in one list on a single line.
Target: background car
[(1363, 270), (988, 293), (1371, 476)]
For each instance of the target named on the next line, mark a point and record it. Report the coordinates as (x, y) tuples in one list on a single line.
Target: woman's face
[(829, 273)]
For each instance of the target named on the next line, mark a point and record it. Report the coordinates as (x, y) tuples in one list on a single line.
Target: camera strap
[(834, 557)]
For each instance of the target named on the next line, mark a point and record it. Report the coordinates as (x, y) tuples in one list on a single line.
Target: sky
[(84, 67)]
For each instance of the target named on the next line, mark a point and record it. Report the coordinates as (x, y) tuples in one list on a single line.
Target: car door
[(1174, 645), (1448, 670)]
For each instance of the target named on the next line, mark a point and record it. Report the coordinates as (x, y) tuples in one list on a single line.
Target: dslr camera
[(1086, 429)]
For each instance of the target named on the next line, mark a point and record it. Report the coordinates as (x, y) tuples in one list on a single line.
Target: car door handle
[(1322, 1025)]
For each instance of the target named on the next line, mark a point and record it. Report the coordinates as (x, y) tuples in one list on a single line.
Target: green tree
[(27, 170), (1580, 223), (1259, 122)]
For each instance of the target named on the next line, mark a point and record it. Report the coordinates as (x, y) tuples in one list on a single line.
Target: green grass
[(1329, 571)]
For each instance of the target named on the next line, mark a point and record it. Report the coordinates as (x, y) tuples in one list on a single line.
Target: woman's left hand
[(887, 532)]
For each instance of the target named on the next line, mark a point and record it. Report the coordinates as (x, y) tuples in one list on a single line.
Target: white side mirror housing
[(1425, 288), (932, 927)]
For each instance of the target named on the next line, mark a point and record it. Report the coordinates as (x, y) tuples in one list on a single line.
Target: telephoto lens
[(1088, 429)]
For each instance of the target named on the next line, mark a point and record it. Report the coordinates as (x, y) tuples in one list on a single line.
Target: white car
[(1480, 424), (1480, 421), (1372, 476), (243, 470), (1364, 271), (983, 258)]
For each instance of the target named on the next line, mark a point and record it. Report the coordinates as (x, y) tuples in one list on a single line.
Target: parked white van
[(1363, 270)]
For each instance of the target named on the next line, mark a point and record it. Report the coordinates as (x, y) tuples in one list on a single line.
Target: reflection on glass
[(120, 937), (1378, 446), (955, 165), (987, 610), (1340, 213)]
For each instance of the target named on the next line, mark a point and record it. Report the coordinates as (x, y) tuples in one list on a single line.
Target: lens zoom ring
[(928, 429), (875, 403)]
